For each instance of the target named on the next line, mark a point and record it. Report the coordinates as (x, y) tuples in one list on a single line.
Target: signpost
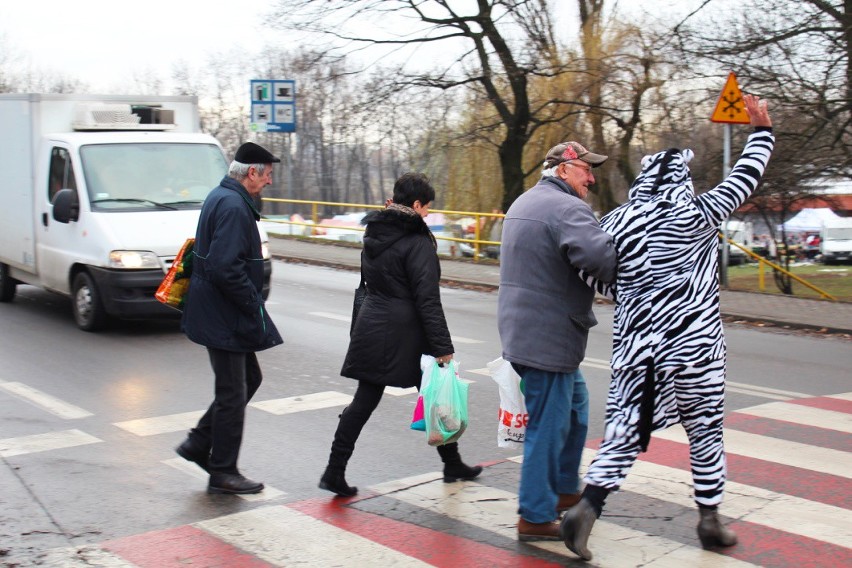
[(730, 109), (273, 109)]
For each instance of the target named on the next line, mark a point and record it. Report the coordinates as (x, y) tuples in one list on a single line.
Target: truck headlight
[(133, 259), (264, 250)]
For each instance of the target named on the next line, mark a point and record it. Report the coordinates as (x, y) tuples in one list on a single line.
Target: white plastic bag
[(512, 417)]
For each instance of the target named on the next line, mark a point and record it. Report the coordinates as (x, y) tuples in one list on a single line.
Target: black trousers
[(237, 377), (353, 419)]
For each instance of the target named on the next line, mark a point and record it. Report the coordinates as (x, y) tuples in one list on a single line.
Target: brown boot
[(530, 532), (712, 533), (567, 500)]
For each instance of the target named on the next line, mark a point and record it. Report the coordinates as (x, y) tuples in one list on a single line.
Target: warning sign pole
[(730, 109)]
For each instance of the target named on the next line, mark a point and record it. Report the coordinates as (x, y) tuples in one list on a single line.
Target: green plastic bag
[(445, 405)]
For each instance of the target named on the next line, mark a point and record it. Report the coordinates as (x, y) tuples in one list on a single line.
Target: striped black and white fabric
[(668, 345)]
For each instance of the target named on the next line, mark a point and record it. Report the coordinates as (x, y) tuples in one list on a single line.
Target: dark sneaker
[(233, 483)]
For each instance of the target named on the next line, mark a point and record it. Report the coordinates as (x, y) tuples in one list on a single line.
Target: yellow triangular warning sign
[(730, 107)]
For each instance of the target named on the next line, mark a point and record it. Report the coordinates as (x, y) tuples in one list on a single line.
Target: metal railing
[(476, 242), (761, 279)]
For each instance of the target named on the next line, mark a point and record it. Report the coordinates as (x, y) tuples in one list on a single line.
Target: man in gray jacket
[(544, 314)]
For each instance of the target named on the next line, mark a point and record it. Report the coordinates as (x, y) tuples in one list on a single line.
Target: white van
[(836, 242), (99, 194)]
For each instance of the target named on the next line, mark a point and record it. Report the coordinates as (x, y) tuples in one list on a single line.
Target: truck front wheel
[(7, 284), (86, 302)]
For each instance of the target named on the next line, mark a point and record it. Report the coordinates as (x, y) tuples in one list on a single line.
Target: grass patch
[(833, 279)]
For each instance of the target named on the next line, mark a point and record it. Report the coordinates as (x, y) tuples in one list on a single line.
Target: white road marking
[(613, 546), (785, 393), (398, 391), (314, 401), (842, 396), (744, 502), (460, 339), (196, 472), (81, 557), (43, 442), (285, 537), (832, 462), (327, 315), (804, 415), (482, 371), (161, 424), (45, 401)]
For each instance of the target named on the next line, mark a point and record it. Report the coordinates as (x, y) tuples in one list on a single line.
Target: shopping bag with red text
[(512, 415)]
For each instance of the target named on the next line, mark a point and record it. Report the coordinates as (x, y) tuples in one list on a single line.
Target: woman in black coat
[(401, 319)]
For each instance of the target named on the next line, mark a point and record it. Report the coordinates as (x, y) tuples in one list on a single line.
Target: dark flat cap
[(251, 153)]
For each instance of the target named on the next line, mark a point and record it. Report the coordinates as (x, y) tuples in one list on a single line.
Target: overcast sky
[(105, 43)]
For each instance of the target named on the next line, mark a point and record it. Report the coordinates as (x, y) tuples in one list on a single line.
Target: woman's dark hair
[(411, 187)]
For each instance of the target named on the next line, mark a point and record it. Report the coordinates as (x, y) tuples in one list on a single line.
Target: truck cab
[(101, 209)]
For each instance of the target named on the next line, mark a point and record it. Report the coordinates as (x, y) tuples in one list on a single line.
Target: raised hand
[(757, 110)]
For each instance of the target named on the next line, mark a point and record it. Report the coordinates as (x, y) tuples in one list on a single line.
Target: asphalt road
[(121, 400)]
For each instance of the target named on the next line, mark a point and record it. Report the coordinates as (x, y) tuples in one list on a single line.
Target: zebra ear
[(687, 155), (646, 160)]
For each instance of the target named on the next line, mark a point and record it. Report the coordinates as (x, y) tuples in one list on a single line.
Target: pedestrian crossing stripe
[(43, 442), (45, 401), (786, 509)]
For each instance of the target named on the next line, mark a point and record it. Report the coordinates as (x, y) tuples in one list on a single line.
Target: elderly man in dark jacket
[(225, 312), (544, 314)]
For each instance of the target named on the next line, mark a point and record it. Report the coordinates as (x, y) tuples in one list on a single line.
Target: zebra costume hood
[(665, 174)]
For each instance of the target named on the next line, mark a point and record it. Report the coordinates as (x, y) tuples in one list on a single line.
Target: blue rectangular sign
[(273, 105)]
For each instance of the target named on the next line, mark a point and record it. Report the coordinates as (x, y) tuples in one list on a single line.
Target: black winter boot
[(711, 532), (334, 480), (454, 468)]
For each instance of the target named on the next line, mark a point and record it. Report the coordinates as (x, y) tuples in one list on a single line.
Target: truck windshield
[(151, 176)]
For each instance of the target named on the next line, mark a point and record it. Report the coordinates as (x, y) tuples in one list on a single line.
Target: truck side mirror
[(66, 206)]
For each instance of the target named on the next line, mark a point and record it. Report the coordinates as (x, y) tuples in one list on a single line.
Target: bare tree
[(504, 43)]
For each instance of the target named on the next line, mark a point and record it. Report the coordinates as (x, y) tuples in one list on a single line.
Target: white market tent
[(810, 220)]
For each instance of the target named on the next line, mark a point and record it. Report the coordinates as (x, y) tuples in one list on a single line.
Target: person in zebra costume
[(668, 362)]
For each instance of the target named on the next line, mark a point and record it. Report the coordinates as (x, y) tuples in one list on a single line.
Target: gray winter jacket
[(544, 308)]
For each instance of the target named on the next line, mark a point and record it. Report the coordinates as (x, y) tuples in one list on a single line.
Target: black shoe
[(455, 471), (233, 483), (335, 482), (191, 451)]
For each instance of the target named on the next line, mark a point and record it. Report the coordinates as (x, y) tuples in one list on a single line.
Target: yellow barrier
[(760, 268), (475, 241)]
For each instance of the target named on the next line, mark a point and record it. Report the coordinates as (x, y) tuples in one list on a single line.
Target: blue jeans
[(558, 407)]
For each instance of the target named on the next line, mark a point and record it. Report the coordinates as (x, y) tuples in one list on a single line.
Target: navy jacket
[(224, 307), (402, 316)]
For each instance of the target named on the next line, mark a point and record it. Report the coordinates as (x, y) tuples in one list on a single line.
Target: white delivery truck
[(836, 240), (742, 233), (98, 195)]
